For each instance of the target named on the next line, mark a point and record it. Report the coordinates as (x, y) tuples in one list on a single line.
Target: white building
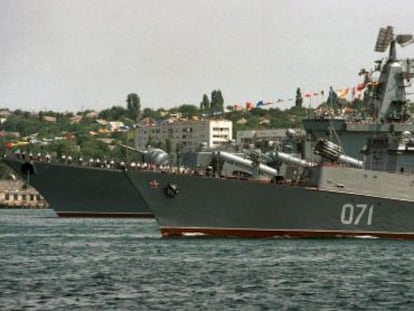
[(187, 134)]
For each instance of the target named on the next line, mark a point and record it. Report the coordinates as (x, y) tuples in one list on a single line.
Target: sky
[(74, 55)]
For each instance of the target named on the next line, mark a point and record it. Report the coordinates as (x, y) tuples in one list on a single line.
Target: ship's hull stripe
[(268, 233)]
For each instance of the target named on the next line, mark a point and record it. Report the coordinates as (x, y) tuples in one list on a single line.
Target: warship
[(77, 189), (329, 200), (337, 196)]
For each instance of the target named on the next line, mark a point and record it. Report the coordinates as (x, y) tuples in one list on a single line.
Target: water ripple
[(48, 263)]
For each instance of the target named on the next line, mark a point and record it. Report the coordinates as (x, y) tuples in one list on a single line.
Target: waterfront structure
[(16, 194)]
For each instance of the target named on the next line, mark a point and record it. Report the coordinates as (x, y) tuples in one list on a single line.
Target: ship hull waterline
[(231, 208), (93, 214), (79, 191)]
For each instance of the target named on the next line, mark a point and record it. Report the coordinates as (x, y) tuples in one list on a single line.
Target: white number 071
[(355, 214)]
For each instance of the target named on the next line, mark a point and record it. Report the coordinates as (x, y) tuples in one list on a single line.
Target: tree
[(299, 99), (113, 114), (149, 113), (205, 103), (92, 148), (217, 101), (187, 110), (133, 106), (63, 147)]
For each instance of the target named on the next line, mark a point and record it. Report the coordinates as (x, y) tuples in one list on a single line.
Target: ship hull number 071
[(357, 214)]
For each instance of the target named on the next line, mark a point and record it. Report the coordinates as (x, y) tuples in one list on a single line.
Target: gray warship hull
[(221, 207), (78, 191)]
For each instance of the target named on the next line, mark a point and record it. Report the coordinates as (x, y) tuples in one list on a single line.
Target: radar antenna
[(404, 40), (385, 36), (387, 39)]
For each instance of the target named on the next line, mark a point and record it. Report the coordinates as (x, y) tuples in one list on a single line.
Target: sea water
[(50, 263)]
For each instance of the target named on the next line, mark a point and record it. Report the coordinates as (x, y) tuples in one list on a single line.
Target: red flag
[(360, 86)]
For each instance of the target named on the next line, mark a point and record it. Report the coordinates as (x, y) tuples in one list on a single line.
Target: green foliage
[(205, 103), (114, 113), (29, 125), (153, 114), (93, 148), (133, 106), (18, 123), (217, 101), (63, 147), (187, 110)]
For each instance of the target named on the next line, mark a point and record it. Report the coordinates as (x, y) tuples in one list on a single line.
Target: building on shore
[(15, 194), (185, 135)]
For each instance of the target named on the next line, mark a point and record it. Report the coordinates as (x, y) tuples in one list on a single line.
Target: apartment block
[(188, 135)]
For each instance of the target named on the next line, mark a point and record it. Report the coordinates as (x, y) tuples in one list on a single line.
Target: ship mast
[(388, 96)]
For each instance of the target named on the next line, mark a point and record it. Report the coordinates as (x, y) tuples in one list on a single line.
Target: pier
[(16, 194)]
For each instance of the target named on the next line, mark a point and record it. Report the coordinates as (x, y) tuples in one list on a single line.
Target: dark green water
[(49, 263)]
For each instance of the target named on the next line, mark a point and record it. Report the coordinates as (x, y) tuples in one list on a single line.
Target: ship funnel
[(247, 163), (333, 152)]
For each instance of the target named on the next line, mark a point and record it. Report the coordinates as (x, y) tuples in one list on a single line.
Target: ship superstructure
[(385, 99)]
